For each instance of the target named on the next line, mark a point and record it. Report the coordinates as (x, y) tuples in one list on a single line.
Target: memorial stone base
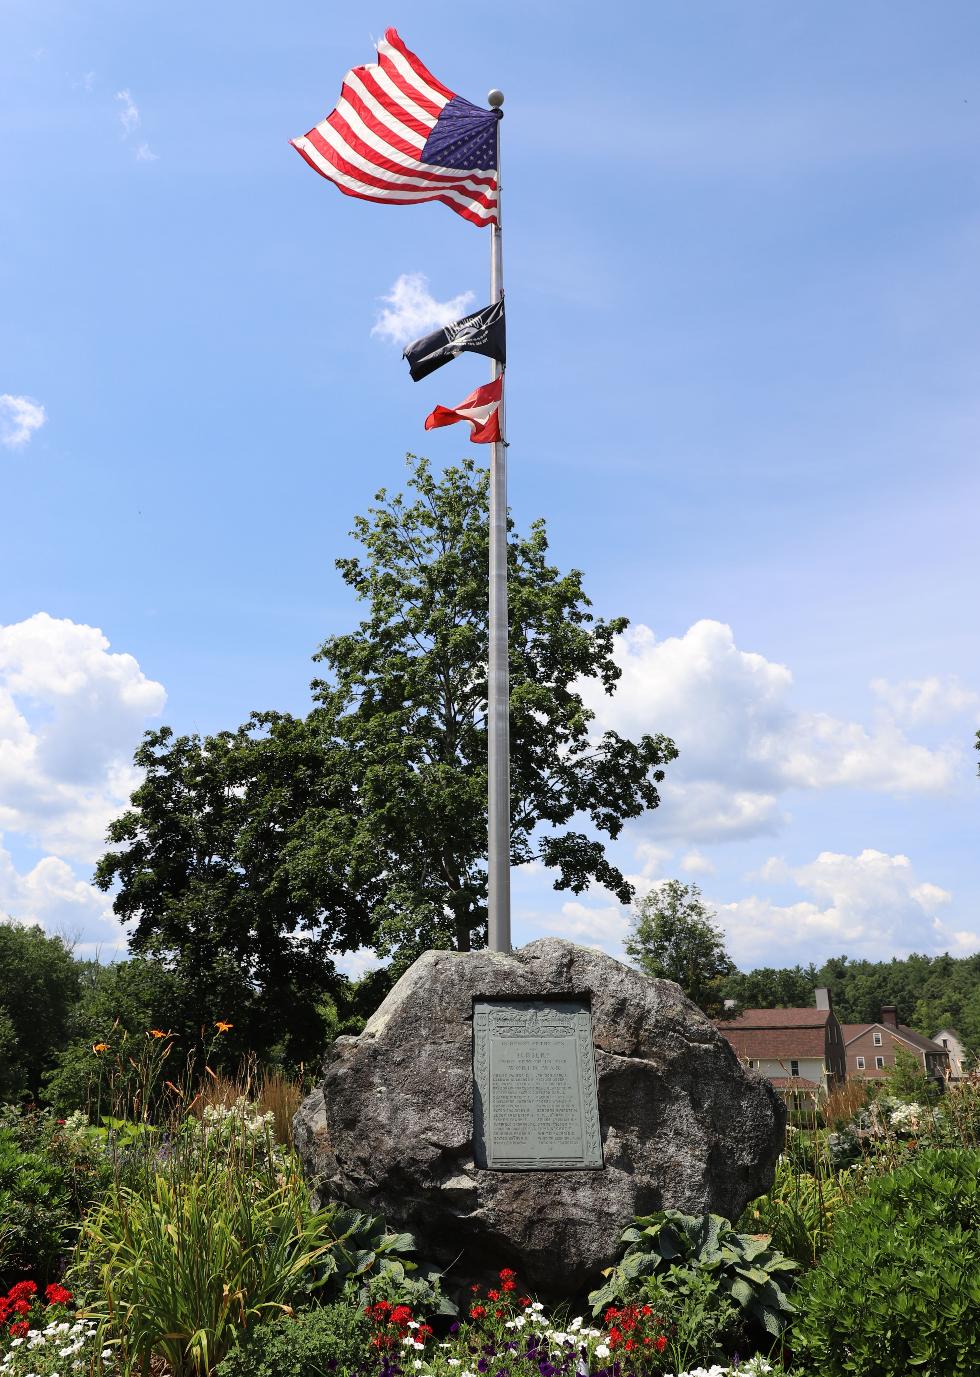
[(519, 1110)]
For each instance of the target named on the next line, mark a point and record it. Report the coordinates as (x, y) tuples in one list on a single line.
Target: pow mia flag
[(481, 333)]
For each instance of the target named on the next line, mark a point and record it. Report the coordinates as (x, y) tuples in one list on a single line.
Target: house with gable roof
[(799, 1050), (871, 1047)]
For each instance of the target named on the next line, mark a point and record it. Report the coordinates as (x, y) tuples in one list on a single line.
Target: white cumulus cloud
[(71, 715), (410, 310), (933, 699), (870, 904), (19, 418), (72, 712), (744, 742), (53, 896)]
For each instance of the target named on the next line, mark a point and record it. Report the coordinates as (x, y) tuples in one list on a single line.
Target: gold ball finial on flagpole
[(495, 99)]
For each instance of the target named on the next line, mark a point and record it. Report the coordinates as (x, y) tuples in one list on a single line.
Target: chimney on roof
[(824, 998), (889, 1016)]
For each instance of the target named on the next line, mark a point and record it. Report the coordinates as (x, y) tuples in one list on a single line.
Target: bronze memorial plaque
[(535, 1105)]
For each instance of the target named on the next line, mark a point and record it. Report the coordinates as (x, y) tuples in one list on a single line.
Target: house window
[(879, 1063), (945, 1042), (860, 1063), (876, 1039), (794, 1068), (752, 1064)]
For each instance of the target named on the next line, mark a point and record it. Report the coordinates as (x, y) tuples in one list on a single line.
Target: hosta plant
[(672, 1247)]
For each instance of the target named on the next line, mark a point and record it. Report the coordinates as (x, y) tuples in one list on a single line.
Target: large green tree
[(266, 849), (675, 937), (202, 868)]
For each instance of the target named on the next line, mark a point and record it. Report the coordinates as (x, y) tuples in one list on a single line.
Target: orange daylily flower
[(156, 1033), (100, 1047), (223, 1027)]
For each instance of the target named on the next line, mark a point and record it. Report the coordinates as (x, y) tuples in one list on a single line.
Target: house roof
[(777, 1018), (778, 1034), (909, 1035), (776, 1044)]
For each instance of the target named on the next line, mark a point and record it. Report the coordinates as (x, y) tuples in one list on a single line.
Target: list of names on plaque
[(535, 1103)]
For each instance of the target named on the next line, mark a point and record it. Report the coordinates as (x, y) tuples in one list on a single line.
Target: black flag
[(481, 333)]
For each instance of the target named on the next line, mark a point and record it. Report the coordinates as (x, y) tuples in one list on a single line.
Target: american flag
[(398, 135)]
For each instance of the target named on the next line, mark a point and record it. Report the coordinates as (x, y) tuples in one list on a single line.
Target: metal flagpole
[(498, 680)]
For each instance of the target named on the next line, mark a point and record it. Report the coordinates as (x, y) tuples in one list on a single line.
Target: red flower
[(525, 1300), (22, 1290), (477, 1312), (21, 1307), (507, 1274), (661, 1344), (424, 1331), (381, 1309), (500, 1314), (615, 1335), (18, 1329), (401, 1314), (494, 1295), (474, 1288), (57, 1295)]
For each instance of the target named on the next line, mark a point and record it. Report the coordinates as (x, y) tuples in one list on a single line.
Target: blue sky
[(741, 249)]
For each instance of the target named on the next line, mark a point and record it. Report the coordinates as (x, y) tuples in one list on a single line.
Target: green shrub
[(673, 1247), (897, 1289), (331, 1339), (36, 1221)]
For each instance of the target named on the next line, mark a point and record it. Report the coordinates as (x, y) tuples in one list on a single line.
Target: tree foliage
[(675, 937), (254, 855), (37, 994), (202, 871)]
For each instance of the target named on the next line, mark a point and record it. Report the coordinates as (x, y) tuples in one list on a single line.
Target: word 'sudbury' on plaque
[(535, 1105)]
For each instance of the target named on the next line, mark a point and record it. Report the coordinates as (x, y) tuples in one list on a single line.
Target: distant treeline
[(930, 992)]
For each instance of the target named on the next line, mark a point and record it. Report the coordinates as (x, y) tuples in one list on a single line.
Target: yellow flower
[(223, 1027), (100, 1047)]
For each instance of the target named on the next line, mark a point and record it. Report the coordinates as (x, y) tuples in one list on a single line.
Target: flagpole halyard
[(498, 677)]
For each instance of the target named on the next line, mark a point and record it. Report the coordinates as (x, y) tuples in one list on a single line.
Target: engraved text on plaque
[(535, 1103)]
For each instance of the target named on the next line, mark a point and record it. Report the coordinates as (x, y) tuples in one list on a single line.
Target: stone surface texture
[(684, 1126)]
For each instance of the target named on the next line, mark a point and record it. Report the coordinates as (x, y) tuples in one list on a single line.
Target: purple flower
[(454, 1327)]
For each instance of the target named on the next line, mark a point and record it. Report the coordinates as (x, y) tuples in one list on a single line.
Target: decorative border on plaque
[(535, 1018)]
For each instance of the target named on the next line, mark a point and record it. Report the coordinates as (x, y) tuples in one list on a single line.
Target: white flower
[(418, 1363), (536, 1306), (601, 1350), (575, 1324), (454, 1362)]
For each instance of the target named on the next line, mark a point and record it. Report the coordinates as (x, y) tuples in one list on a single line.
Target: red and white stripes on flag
[(400, 136), (481, 408)]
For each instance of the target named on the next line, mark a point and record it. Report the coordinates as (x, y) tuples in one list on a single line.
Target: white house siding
[(810, 1068)]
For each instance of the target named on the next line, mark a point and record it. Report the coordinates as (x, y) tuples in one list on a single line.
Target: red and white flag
[(481, 408)]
